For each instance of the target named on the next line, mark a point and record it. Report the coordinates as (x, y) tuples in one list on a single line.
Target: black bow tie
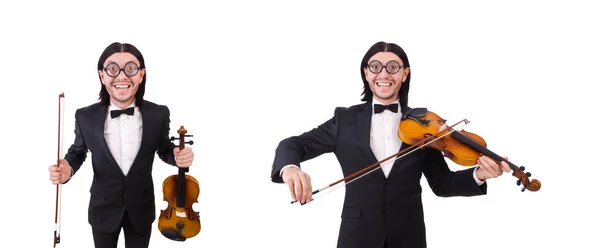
[(118, 112), (380, 108)]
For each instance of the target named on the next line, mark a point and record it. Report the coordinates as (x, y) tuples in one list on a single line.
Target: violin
[(57, 211), (462, 147), (179, 221), (420, 128)]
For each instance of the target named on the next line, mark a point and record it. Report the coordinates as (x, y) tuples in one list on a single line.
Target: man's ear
[(406, 72), (101, 76), (142, 73)]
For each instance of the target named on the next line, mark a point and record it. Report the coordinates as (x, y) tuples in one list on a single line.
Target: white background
[(242, 75)]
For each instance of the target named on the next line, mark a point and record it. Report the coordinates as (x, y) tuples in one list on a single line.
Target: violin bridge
[(180, 214)]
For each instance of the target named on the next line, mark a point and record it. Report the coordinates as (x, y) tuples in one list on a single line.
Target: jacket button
[(125, 197), (387, 182)]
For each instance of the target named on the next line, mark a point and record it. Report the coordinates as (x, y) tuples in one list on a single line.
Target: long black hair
[(386, 47), (118, 47)]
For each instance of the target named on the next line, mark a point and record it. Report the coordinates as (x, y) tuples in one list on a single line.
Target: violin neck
[(482, 149), (181, 187)]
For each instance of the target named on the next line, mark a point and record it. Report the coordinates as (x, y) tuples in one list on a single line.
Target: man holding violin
[(123, 132), (383, 208)]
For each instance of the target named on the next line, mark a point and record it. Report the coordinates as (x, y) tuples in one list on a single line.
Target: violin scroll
[(523, 179), (182, 134)]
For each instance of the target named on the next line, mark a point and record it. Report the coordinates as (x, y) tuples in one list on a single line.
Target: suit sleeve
[(166, 146), (446, 183), (77, 152), (297, 149)]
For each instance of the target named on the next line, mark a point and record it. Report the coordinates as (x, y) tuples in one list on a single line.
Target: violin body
[(462, 154), (178, 221), (412, 132), (180, 217), (464, 148)]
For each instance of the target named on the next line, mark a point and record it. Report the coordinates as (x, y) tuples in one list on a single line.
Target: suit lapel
[(363, 119), (146, 113), (397, 163), (99, 120)]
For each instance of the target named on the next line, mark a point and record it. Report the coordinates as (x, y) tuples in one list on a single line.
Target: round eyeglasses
[(113, 70), (392, 67)]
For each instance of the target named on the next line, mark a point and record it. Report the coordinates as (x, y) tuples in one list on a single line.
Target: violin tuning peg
[(173, 138), (523, 189), (191, 142), (518, 182), (528, 174), (189, 135), (522, 168)]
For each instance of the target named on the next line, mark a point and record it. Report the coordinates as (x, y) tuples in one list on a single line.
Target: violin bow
[(406, 151), (57, 214)]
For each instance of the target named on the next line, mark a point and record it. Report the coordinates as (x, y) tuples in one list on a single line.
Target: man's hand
[(488, 168), (298, 183), (60, 173), (183, 158)]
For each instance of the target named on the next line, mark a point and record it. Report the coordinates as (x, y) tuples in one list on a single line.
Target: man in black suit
[(123, 132), (383, 208)]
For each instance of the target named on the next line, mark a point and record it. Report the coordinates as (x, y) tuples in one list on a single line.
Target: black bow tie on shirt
[(380, 108), (118, 112)]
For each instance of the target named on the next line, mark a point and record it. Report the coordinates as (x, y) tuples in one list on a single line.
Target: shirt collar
[(112, 106), (375, 101)]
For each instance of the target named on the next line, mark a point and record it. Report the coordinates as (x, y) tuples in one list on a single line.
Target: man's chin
[(387, 96), (122, 98)]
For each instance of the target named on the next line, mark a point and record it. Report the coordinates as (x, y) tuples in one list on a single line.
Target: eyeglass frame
[(386, 66), (137, 69)]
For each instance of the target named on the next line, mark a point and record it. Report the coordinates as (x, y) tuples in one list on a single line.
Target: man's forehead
[(121, 57), (385, 56)]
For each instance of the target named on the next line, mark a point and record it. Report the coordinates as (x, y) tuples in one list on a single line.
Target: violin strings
[(379, 167)]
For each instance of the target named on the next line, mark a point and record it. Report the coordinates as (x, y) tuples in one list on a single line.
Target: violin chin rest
[(172, 235)]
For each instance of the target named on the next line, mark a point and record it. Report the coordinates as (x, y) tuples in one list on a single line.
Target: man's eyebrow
[(111, 61)]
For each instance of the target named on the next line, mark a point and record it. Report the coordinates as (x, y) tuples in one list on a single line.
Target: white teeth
[(122, 86), (384, 84)]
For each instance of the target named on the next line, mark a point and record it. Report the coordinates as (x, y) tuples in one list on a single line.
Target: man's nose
[(121, 75), (383, 74)]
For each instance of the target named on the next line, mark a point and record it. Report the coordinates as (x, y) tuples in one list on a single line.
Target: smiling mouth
[(383, 84), (122, 86)]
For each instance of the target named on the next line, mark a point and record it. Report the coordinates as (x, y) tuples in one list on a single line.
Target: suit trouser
[(133, 238)]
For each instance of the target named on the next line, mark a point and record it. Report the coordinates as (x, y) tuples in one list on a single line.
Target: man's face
[(122, 87), (385, 85)]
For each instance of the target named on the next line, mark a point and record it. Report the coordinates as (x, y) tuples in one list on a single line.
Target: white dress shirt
[(123, 136)]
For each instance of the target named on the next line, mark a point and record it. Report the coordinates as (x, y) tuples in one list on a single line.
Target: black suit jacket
[(376, 208), (111, 191)]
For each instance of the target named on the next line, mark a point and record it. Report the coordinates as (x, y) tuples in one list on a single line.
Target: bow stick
[(58, 186)]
